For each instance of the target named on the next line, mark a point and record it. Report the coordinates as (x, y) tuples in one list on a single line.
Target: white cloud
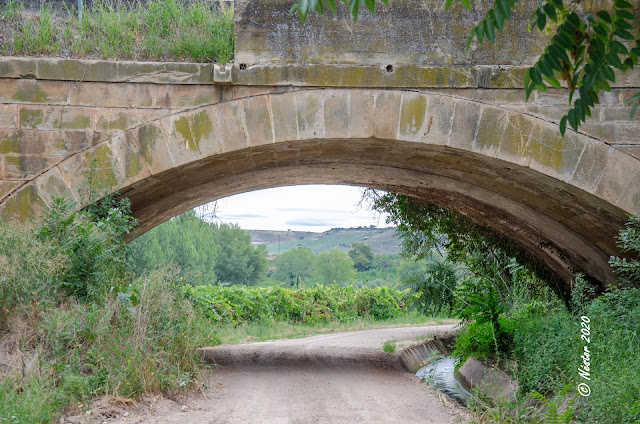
[(300, 208)]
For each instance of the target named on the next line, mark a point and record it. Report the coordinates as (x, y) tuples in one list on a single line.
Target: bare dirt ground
[(330, 378)]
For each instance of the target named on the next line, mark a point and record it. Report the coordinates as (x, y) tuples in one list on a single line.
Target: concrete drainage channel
[(430, 360)]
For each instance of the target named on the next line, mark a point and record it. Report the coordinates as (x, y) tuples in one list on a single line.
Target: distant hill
[(381, 240)]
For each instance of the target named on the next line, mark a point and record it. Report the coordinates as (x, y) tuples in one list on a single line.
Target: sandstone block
[(258, 120)]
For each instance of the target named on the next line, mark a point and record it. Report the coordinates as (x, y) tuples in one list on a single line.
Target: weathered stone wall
[(47, 119), (407, 32), (406, 44), (170, 147)]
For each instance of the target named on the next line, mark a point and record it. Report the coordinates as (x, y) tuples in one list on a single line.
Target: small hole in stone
[(243, 66), (389, 68)]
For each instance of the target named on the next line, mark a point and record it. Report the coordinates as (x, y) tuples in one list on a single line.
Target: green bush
[(389, 346), (479, 340), (238, 304), (615, 349), (76, 325), (547, 349)]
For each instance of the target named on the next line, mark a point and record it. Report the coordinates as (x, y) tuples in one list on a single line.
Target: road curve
[(330, 378)]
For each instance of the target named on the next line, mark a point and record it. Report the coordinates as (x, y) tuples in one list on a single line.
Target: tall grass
[(74, 325), (171, 30), (548, 348)]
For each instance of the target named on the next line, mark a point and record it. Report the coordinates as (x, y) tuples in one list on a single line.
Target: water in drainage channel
[(439, 373)]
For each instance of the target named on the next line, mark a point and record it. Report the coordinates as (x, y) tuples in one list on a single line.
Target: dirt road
[(331, 378)]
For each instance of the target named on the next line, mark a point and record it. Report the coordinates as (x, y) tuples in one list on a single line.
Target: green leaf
[(579, 108), (536, 75), (542, 20), (563, 41), (563, 125), (303, 9), (479, 33), (625, 14), (614, 59), (557, 3), (552, 62), (622, 33), (623, 4), (552, 81), (558, 52), (498, 18), (635, 98), (487, 25), (466, 4), (587, 96), (331, 4), (602, 83), (550, 10), (447, 4), (544, 67), (604, 15), (470, 38), (621, 23), (526, 81), (571, 116), (316, 5), (371, 5), (353, 8), (575, 21), (505, 8), (619, 47)]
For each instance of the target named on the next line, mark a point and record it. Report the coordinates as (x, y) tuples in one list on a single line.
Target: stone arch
[(562, 200)]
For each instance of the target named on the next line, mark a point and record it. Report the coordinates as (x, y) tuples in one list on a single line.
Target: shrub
[(389, 346), (77, 326), (238, 304)]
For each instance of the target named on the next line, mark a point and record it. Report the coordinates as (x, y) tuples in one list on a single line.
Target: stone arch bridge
[(370, 104)]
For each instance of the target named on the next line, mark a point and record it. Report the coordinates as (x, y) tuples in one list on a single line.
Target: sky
[(315, 208)]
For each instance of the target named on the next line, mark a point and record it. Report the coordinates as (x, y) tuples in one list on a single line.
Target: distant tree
[(334, 266), (362, 256), (239, 262), (294, 265), (185, 241), (202, 250)]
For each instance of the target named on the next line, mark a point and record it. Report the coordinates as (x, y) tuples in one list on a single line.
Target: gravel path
[(330, 378)]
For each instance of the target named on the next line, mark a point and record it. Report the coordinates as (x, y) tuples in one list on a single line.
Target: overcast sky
[(314, 208)]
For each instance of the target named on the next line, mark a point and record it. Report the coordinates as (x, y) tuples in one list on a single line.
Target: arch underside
[(561, 200), (561, 227)]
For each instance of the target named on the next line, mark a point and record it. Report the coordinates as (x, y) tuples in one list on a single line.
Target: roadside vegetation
[(84, 315), (513, 318), (157, 30), (76, 325)]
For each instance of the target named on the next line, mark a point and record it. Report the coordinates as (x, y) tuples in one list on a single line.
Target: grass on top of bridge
[(158, 30)]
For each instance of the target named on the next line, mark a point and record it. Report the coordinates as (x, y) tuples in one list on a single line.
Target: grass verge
[(157, 30)]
